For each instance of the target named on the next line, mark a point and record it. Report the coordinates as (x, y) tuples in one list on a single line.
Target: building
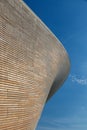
[(33, 65)]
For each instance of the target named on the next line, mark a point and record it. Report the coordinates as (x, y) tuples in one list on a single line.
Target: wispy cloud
[(46, 128), (80, 80), (68, 123)]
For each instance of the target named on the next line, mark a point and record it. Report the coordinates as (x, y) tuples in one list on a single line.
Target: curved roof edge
[(65, 64)]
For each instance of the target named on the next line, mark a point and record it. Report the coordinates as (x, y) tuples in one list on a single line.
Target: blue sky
[(67, 19)]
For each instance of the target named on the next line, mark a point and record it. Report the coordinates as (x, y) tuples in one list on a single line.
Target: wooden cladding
[(30, 58)]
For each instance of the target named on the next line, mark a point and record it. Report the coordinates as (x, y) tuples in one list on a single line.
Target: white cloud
[(46, 128), (69, 123), (79, 80)]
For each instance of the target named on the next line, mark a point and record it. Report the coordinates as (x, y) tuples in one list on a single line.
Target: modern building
[(33, 65)]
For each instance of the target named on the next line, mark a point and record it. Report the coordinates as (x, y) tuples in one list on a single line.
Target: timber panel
[(28, 65)]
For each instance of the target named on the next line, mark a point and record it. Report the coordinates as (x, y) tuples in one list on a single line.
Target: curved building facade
[(33, 65)]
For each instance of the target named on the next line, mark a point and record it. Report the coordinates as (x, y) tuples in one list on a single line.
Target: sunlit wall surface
[(32, 63)]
